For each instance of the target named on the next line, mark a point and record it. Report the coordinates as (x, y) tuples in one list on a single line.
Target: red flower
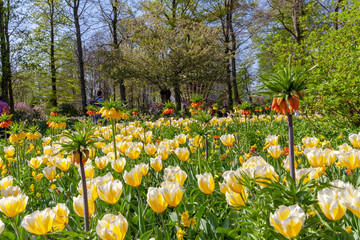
[(134, 113), (348, 171), (216, 137), (91, 112), (286, 151), (245, 112), (54, 114), (196, 105)]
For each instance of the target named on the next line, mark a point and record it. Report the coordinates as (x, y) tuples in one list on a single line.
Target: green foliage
[(81, 137), (286, 81), (68, 109)]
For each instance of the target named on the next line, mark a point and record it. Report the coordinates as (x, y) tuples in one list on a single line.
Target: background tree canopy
[(56, 52)]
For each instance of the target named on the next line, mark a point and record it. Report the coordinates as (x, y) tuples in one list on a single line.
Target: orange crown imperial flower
[(168, 111), (283, 106)]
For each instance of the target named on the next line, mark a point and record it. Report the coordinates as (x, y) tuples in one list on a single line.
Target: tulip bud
[(288, 220), (156, 200), (39, 222), (112, 227), (206, 183), (110, 192)]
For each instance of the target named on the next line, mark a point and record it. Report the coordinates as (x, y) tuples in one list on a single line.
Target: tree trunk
[(53, 98), (5, 54), (80, 54), (233, 51), (336, 10), (122, 90), (116, 44), (165, 95), (228, 62), (177, 93), (296, 12)]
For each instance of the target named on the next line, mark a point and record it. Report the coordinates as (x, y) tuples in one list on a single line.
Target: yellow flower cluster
[(14, 138), (111, 114), (33, 136), (55, 125)]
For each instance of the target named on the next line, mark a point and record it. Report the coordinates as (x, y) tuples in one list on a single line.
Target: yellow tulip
[(49, 172), (286, 163), (150, 149), (99, 145), (9, 151), (272, 139), (172, 192), (198, 141), (206, 183), (49, 151), (10, 191), (61, 216), (355, 139), (310, 173), (232, 180), (133, 152), (112, 227), (224, 188), (110, 192), (6, 181), (104, 179), (288, 220), (78, 204), (264, 171), (228, 140), (156, 200), (174, 144), (236, 199), (310, 142), (163, 152), (133, 178), (181, 138), (89, 170), (119, 164), (101, 162), (156, 163), (122, 147), (351, 197), (329, 156), (350, 159), (331, 203), (182, 153), (108, 148), (175, 174), (144, 168), (274, 151), (11, 205), (63, 164), (91, 188), (35, 163), (39, 222)]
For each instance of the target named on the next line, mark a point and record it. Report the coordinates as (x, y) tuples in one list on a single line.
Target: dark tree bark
[(177, 93), (53, 99), (5, 53), (74, 5), (165, 95), (297, 12), (336, 10), (114, 21), (233, 50), (227, 51)]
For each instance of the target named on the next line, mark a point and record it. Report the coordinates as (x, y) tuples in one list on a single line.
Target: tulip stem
[(291, 147), (16, 228), (113, 124), (178, 216), (85, 195), (163, 225)]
